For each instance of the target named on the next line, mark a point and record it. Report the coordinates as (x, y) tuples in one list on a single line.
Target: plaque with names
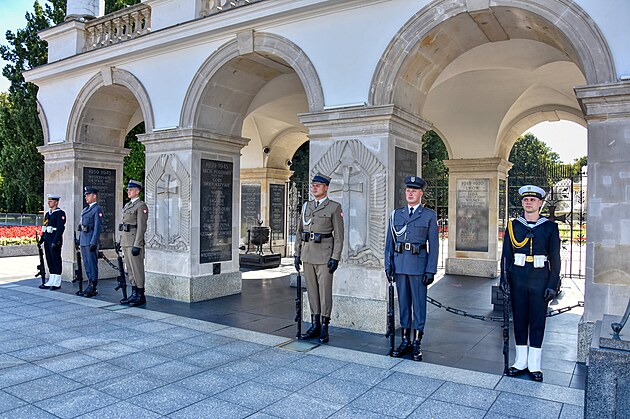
[(215, 226), (104, 180), (276, 210), (502, 207), (250, 207), (406, 164), (472, 215)]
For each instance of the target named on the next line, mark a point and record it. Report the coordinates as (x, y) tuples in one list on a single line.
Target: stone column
[(192, 189), (607, 285), (357, 147), (84, 9), (473, 214), (263, 178), (64, 165)]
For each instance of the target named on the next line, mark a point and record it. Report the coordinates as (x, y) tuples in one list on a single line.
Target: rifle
[(391, 317), (506, 317), (78, 272), (122, 282), (298, 305), (41, 268)]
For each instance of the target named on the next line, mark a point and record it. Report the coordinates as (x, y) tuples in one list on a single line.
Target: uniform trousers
[(53, 258), (411, 293), (319, 288), (135, 266), (90, 261), (529, 309)]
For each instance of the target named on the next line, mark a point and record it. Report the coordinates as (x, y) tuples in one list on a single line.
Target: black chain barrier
[(464, 313), (109, 262)]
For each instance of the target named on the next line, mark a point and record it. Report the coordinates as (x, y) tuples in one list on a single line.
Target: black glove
[(549, 294), (53, 246), (135, 251), (92, 248), (427, 279), (503, 286), (297, 262), (332, 265), (390, 272)]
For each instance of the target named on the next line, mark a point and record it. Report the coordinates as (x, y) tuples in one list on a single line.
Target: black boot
[(91, 291), (405, 345), (126, 301), (139, 300), (417, 348), (314, 330), (323, 337)]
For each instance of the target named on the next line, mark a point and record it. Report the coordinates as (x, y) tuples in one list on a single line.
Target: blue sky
[(565, 138)]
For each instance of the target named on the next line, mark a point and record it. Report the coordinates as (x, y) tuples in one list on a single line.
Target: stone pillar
[(357, 148), (64, 165), (84, 9), (262, 179), (192, 189), (607, 285), (473, 214)]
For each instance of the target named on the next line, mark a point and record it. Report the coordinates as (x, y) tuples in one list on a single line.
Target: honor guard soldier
[(319, 243), (134, 225), (89, 234), (531, 252), (411, 255), (52, 236)]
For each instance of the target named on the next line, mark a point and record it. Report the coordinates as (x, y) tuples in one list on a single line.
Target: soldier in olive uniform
[(318, 244), (89, 233), (52, 236), (411, 255), (531, 255), (132, 229)]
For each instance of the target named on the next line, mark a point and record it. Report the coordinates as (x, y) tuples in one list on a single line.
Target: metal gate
[(436, 198), (298, 193), (565, 204)]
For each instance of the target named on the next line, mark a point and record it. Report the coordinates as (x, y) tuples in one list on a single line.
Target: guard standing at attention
[(134, 225), (319, 241), (89, 234), (411, 255), (52, 236), (531, 253)]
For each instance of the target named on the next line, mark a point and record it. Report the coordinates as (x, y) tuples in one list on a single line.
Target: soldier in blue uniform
[(531, 253), (89, 233), (52, 236), (411, 255)]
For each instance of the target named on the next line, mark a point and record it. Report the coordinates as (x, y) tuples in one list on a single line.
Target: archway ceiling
[(107, 116), (475, 76)]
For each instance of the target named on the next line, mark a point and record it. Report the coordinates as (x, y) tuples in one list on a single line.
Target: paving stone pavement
[(66, 356)]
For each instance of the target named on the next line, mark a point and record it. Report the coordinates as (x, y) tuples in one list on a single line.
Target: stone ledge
[(20, 250), (192, 289)]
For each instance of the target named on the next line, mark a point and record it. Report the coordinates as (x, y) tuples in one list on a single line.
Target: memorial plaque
[(215, 227), (473, 206), (276, 210), (502, 208), (405, 164), (105, 181), (250, 207)]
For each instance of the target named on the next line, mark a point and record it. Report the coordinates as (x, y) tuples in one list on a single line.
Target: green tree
[(300, 164), (531, 155), (113, 5), (434, 153), (134, 164)]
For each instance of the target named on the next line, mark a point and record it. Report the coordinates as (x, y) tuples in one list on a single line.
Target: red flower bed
[(18, 235)]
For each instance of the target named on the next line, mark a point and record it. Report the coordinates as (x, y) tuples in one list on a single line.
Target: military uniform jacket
[(545, 242), (54, 226), (325, 219), (135, 214), (92, 218), (420, 229)]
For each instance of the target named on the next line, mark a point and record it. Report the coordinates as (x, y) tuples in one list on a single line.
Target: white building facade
[(228, 90)]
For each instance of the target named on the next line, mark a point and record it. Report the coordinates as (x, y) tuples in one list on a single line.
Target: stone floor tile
[(149, 342), (570, 411), (441, 372), (253, 395), (361, 374), (209, 358), (354, 413), (173, 370), (242, 349), (149, 326), (110, 351), (387, 402), (9, 402), (167, 399), (525, 406), (121, 410), (243, 368), (438, 409), (19, 344), (208, 340), (21, 374), (298, 406), (37, 353), (195, 324), (211, 382), (335, 390), (318, 364), (213, 407), (65, 362), (7, 361), (43, 388), (357, 357), (126, 386), (465, 395), (27, 412), (410, 384), (287, 378), (175, 350), (95, 373), (75, 403), (252, 336), (276, 357), (542, 390), (139, 360)]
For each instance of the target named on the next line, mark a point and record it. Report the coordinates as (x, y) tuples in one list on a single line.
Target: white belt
[(537, 260), (48, 229)]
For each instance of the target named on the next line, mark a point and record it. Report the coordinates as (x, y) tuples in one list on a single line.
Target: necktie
[(410, 211), (316, 204)]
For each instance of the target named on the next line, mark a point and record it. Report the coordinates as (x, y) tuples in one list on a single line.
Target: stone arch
[(109, 78), (263, 43), (583, 41), (44, 122)]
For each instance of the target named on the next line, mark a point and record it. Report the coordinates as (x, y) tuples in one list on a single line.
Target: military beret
[(321, 178), (134, 184), (531, 190), (415, 182), (89, 189)]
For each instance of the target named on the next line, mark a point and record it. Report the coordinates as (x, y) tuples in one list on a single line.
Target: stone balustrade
[(124, 24), (211, 7)]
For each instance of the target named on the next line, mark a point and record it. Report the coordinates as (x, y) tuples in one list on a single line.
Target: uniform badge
[(144, 211), (341, 213), (63, 217), (100, 214)]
